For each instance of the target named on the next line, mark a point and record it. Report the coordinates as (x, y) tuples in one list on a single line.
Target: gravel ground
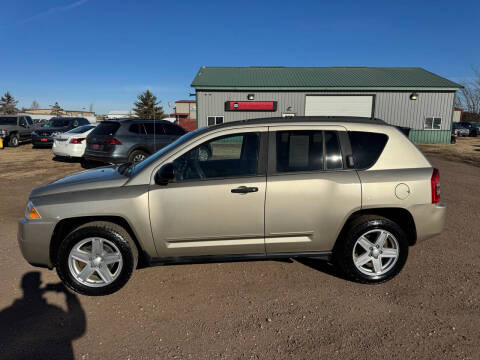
[(246, 310)]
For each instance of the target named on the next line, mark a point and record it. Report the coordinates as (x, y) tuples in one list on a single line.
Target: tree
[(147, 107), (469, 96), (34, 105), (8, 105), (56, 109)]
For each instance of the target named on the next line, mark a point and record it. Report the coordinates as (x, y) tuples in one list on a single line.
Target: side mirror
[(165, 174)]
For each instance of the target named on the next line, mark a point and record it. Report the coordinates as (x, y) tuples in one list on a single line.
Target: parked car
[(471, 126), (16, 129), (131, 140), (44, 136), (328, 188), (459, 130), (73, 142)]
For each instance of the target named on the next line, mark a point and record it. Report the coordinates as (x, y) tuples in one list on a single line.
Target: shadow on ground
[(31, 328), (323, 266)]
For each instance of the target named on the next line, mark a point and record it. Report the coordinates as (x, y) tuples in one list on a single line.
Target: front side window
[(214, 120), (22, 122), (29, 120), (222, 157), (433, 123)]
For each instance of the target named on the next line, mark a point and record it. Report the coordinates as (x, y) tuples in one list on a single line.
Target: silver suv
[(353, 191)]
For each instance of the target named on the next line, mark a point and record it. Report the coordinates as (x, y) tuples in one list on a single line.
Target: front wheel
[(97, 258), (373, 250)]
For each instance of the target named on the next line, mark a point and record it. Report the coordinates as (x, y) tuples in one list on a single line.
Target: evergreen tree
[(8, 105), (34, 105), (56, 109), (147, 107)]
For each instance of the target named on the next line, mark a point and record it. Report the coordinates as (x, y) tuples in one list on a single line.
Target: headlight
[(31, 212)]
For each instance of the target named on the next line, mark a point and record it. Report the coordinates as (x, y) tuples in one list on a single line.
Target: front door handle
[(244, 190)]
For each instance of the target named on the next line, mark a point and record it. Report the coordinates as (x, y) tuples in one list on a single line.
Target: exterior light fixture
[(250, 97), (235, 105), (414, 96)]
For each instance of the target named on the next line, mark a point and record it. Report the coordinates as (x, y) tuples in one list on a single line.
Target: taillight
[(112, 142), (435, 181), (77, 141)]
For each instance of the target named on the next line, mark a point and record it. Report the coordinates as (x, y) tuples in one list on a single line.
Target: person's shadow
[(31, 328)]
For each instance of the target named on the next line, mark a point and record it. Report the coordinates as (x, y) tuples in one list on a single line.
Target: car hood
[(99, 178)]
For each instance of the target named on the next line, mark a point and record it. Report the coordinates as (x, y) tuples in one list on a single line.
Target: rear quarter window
[(366, 147), (106, 128)]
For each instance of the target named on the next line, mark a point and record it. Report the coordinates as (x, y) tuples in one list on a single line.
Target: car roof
[(296, 119), (130, 121)]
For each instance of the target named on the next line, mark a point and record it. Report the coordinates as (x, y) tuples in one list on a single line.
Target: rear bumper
[(37, 140), (429, 219), (34, 238), (69, 150), (108, 158)]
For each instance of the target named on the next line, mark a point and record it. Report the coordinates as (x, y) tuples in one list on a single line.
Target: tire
[(137, 154), (14, 140), (114, 238), (352, 248)]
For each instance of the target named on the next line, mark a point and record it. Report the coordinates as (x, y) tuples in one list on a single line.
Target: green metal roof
[(319, 78)]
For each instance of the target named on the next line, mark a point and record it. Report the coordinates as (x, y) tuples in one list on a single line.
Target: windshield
[(151, 159), (8, 120), (80, 129), (56, 123)]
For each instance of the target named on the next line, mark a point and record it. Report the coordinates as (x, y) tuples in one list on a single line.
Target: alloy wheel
[(375, 252), (95, 262)]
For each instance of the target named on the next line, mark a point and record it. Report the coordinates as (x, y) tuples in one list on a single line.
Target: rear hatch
[(102, 138)]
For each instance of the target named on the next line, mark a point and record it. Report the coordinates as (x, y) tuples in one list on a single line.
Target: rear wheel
[(373, 250), (97, 258), (137, 156), (14, 140)]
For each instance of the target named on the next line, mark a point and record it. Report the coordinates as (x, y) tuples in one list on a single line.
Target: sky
[(106, 52)]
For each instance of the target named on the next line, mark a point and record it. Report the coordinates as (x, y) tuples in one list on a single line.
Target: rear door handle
[(244, 190)]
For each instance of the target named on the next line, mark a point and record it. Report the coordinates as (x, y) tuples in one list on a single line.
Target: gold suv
[(353, 191)]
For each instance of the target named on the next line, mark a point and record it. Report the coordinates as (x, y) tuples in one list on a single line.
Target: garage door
[(338, 105)]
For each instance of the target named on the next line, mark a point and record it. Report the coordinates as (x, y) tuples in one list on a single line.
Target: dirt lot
[(467, 149), (247, 310)]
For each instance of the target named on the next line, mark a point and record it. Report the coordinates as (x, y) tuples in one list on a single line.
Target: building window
[(214, 120), (432, 123)]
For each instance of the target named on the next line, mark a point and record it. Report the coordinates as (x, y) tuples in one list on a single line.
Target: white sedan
[(72, 143)]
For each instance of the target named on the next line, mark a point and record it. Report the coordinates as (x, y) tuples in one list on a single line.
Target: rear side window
[(299, 151), (152, 128), (106, 128), (137, 129), (366, 147), (173, 130), (8, 121)]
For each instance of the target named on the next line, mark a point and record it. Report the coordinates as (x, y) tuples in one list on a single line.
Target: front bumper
[(34, 238), (429, 219)]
